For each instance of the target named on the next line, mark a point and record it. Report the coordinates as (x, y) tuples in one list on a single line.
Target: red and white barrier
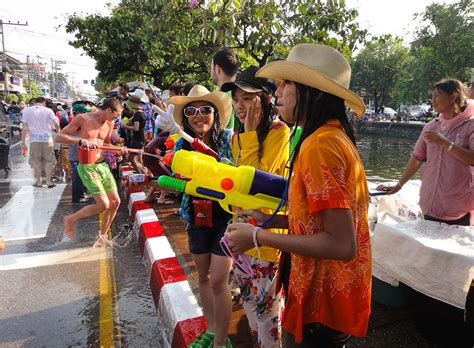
[(179, 314)]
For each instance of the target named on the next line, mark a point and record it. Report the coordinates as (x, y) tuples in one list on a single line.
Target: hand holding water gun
[(166, 122), (242, 186)]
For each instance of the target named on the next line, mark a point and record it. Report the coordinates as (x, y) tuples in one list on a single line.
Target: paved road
[(56, 292)]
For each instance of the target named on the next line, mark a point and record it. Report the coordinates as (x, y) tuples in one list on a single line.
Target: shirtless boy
[(90, 131)]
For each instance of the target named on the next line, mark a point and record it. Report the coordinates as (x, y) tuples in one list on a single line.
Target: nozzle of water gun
[(168, 158), (169, 143)]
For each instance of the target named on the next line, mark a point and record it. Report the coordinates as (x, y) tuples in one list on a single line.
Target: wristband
[(451, 145), (255, 242)]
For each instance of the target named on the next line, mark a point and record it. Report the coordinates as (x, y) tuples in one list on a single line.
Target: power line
[(40, 34), (45, 55), (30, 52)]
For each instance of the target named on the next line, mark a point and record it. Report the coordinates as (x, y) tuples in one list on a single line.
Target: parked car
[(389, 112)]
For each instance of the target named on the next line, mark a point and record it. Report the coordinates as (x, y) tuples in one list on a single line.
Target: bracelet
[(451, 145), (255, 242)]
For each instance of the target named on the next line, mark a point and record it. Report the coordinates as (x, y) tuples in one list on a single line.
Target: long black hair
[(215, 140), (263, 128), (313, 109)]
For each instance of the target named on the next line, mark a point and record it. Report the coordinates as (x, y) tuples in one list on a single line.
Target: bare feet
[(69, 227), (103, 242)]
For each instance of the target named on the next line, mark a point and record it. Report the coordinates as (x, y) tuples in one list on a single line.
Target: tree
[(10, 97), (34, 91), (174, 39), (158, 39), (442, 47), (378, 67)]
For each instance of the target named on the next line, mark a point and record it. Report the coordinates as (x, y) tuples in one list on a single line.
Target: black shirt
[(139, 136)]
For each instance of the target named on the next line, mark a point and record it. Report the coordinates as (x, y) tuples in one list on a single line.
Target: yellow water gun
[(243, 186)]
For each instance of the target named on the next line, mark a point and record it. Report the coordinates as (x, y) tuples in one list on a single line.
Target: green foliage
[(34, 91), (378, 67), (442, 47), (169, 40), (11, 98), (389, 73)]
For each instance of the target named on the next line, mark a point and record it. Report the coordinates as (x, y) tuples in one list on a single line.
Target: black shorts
[(136, 144), (204, 240)]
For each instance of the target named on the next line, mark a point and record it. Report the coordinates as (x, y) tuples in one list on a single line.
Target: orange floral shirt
[(328, 173)]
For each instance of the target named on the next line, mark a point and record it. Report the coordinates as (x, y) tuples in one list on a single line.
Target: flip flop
[(51, 186), (34, 185)]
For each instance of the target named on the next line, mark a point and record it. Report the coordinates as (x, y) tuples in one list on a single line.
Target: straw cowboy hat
[(317, 66), (200, 93), (136, 98)]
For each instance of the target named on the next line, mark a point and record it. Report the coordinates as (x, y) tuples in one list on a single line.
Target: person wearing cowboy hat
[(203, 114), (261, 142), (136, 125), (327, 274)]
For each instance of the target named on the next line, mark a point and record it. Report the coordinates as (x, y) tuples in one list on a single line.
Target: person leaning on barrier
[(446, 147)]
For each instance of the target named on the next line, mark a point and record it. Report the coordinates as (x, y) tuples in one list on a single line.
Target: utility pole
[(4, 60), (28, 72), (53, 84)]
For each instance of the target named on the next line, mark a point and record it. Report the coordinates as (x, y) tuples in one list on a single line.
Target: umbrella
[(133, 85)]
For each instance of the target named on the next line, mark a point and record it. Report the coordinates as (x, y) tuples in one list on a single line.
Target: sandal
[(204, 341)]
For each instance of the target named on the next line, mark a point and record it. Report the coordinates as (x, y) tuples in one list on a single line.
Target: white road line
[(29, 212), (49, 258), (24, 179)]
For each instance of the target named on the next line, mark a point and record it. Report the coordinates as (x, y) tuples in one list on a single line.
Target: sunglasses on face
[(191, 111), (241, 262)]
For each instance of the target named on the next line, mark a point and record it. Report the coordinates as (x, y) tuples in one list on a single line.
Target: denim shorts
[(204, 240)]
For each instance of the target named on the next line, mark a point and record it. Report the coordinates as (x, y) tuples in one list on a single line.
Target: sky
[(44, 37)]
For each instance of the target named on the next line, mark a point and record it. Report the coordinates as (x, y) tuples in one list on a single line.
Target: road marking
[(106, 320), (28, 213), (50, 258), (108, 288)]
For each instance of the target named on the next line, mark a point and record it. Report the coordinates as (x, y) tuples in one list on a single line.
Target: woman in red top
[(329, 281)]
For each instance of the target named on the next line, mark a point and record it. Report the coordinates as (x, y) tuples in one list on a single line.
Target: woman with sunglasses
[(203, 115), (327, 279), (261, 142)]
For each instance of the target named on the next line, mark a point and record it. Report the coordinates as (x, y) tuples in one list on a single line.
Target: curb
[(179, 314)]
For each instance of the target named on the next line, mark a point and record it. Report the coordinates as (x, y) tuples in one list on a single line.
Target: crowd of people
[(314, 258)]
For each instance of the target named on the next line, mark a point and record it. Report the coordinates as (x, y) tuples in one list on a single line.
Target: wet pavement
[(57, 292)]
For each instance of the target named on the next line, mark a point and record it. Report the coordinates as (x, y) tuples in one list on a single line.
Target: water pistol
[(243, 186)]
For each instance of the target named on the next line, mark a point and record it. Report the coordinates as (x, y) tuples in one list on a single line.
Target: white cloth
[(433, 258), (40, 121)]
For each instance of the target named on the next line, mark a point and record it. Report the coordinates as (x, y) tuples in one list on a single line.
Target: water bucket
[(87, 156)]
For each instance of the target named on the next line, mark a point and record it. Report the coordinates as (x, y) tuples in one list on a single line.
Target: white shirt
[(40, 122)]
